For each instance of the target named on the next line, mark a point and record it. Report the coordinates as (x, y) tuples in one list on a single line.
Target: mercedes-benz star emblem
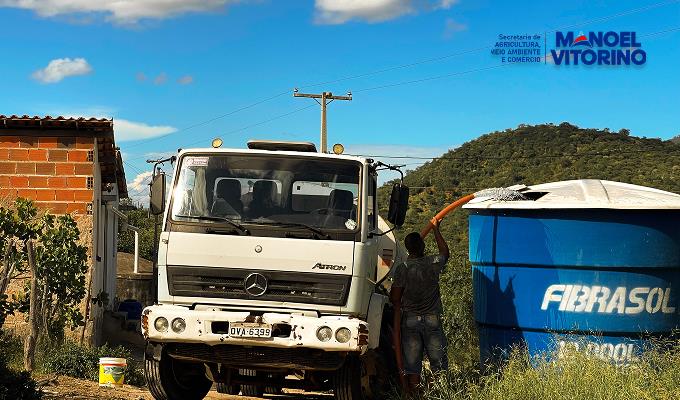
[(255, 284), (258, 249)]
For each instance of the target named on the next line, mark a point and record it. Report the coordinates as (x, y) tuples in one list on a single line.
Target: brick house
[(69, 165)]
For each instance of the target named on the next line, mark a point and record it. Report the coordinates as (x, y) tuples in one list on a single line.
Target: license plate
[(248, 329)]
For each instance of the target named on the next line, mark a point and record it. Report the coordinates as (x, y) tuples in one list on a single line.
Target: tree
[(126, 240), (47, 247)]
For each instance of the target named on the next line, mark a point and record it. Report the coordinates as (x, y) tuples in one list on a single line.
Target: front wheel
[(347, 380), (170, 379), (251, 390), (228, 389)]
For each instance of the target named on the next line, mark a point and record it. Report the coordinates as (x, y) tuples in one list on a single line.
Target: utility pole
[(326, 99)]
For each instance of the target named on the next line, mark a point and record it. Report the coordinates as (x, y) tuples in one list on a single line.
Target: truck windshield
[(268, 190)]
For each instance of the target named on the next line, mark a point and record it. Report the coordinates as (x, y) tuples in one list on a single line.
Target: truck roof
[(330, 156)]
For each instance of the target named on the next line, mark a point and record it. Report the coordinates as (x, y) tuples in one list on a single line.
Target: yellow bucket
[(112, 371)]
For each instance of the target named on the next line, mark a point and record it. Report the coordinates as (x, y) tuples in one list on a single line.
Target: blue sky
[(159, 67)]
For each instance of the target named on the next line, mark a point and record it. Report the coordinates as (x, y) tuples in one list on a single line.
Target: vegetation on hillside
[(526, 155)]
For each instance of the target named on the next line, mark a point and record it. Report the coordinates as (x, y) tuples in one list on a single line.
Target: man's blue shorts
[(420, 334)]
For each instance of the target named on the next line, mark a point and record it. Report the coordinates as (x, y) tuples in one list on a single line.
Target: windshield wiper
[(312, 229), (218, 219)]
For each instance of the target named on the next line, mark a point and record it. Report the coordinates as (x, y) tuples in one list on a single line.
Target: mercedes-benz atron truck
[(270, 274)]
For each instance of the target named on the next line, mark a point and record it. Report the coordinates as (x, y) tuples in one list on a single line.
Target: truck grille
[(253, 357), (229, 283)]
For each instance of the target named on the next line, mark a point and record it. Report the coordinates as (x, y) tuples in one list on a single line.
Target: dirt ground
[(76, 389)]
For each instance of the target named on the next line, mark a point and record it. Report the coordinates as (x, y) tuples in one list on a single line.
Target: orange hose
[(446, 210)]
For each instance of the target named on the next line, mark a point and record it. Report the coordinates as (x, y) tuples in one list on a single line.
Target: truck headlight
[(343, 335), (161, 324), (324, 333), (178, 325)]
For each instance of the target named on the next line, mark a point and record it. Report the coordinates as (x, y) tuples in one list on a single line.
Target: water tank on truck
[(586, 264)]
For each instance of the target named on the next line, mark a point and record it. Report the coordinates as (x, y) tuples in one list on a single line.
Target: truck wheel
[(347, 380), (228, 389), (274, 389), (251, 390), (170, 379)]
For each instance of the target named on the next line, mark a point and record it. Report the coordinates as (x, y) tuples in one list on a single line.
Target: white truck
[(269, 274)]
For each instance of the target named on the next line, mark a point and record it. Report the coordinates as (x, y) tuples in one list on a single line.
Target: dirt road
[(77, 389)]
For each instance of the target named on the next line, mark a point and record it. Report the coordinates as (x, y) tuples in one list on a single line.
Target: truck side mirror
[(398, 204), (157, 198)]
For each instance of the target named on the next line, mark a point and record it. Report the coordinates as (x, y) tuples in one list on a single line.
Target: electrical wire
[(478, 158), (394, 68), (395, 84), (248, 126)]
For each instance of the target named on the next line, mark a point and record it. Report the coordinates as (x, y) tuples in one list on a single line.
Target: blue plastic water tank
[(589, 264)]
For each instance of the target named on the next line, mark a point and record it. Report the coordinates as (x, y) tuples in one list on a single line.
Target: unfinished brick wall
[(56, 172)]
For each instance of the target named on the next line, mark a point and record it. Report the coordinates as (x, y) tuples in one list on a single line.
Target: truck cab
[(269, 274)]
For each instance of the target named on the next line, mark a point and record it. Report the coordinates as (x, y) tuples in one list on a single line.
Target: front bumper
[(199, 326)]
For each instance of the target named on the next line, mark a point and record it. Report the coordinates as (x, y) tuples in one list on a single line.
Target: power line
[(390, 85), (392, 68), (431, 78), (245, 127), (617, 15), (514, 156), (133, 167), (246, 107), (260, 123)]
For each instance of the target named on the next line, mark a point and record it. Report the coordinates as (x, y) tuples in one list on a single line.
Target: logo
[(598, 48), (330, 267), (581, 40), (604, 300), (255, 284), (258, 249)]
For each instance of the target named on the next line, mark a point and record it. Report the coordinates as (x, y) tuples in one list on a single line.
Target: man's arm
[(397, 289), (441, 243), (395, 296)]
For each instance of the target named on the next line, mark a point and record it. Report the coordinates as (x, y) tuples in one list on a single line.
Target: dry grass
[(576, 375)]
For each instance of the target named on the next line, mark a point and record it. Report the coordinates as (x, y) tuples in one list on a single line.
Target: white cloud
[(127, 130), (61, 68), (118, 11), (185, 80), (138, 188), (160, 79), (452, 26), (341, 11), (140, 182)]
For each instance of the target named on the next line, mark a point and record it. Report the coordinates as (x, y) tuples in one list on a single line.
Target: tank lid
[(585, 193)]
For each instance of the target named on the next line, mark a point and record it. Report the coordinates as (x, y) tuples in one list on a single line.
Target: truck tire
[(170, 379), (347, 380), (251, 390), (228, 389), (274, 389)]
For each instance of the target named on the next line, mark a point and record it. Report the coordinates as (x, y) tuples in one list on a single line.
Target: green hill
[(528, 155)]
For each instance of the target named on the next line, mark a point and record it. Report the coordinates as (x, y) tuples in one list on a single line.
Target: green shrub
[(82, 362)]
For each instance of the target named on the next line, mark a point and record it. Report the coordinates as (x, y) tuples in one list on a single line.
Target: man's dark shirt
[(419, 277)]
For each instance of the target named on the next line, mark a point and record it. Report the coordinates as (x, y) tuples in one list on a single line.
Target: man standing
[(415, 296)]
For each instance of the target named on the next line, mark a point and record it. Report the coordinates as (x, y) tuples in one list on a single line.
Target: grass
[(68, 358), (72, 359), (576, 375)]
